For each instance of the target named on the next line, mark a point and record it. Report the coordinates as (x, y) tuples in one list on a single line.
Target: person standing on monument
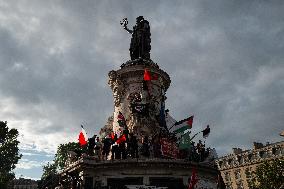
[(106, 147), (98, 148), (146, 147), (116, 153), (133, 146), (91, 145)]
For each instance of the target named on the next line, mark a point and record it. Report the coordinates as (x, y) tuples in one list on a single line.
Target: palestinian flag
[(148, 76), (206, 132), (183, 125), (83, 138)]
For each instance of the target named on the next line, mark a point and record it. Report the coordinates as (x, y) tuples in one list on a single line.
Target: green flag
[(185, 141)]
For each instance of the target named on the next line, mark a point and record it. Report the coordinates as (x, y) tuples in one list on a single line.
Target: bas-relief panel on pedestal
[(129, 94), (118, 87)]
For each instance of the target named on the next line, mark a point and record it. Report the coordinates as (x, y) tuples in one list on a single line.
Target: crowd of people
[(197, 153), (114, 147), (129, 146)]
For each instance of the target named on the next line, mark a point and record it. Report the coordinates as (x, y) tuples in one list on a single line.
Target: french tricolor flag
[(83, 138)]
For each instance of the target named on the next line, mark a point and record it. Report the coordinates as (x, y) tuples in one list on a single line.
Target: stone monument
[(140, 103)]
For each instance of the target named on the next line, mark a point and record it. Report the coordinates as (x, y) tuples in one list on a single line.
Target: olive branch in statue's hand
[(124, 23)]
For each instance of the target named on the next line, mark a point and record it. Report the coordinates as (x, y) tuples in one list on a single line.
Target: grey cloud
[(221, 56)]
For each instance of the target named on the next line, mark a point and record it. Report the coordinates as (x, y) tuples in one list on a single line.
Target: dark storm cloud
[(230, 74), (225, 59)]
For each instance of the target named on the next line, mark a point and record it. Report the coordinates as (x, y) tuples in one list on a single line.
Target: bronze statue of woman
[(140, 42)]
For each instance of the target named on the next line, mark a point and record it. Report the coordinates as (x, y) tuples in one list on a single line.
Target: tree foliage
[(268, 175), (9, 153), (50, 176), (62, 153), (49, 169)]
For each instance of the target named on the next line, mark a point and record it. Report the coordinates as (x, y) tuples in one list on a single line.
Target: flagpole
[(83, 128), (195, 135), (172, 126), (184, 134)]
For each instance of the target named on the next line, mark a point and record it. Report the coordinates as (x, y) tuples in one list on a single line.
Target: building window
[(238, 174), (241, 160), (229, 161), (238, 158), (227, 177), (261, 154), (228, 186), (249, 157), (248, 172), (278, 151), (265, 154), (240, 185), (220, 164), (254, 157), (273, 151)]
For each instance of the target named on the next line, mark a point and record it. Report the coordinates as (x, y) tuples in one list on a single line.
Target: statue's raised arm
[(124, 23), (140, 41)]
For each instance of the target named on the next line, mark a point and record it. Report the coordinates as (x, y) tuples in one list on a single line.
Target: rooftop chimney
[(257, 145)]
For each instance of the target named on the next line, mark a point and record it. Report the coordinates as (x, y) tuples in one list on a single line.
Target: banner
[(169, 148)]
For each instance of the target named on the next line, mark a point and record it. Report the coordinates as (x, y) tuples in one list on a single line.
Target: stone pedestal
[(172, 174), (131, 94)]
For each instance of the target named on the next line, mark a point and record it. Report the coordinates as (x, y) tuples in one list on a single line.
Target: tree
[(268, 175), (50, 176), (9, 153), (62, 153)]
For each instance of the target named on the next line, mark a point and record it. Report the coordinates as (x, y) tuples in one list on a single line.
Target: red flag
[(112, 136), (147, 75), (193, 179), (121, 139), (83, 137)]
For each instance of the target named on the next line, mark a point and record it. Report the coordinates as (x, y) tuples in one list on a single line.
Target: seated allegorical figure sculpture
[(140, 41)]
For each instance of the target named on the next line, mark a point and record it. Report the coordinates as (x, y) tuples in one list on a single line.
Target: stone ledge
[(138, 163), (140, 61)]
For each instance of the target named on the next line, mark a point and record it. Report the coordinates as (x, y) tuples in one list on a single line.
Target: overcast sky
[(224, 57)]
